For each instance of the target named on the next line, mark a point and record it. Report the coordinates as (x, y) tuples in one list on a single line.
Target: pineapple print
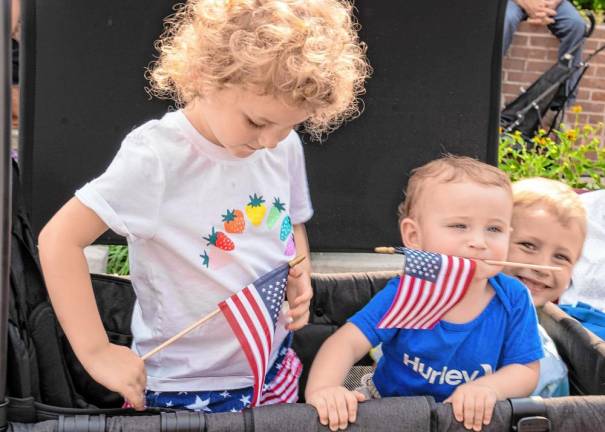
[(256, 209), (275, 212), (286, 228)]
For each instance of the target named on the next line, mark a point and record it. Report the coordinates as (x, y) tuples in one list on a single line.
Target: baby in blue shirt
[(472, 357)]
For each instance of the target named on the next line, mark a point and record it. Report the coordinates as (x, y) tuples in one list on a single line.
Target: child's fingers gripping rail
[(336, 406)]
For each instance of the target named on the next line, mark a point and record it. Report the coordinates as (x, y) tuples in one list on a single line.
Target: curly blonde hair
[(447, 169), (306, 53)]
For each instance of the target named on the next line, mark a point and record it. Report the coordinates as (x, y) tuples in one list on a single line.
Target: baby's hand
[(299, 294), (474, 403), (336, 406), (119, 369)]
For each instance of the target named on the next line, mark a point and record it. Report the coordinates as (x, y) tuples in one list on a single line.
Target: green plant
[(117, 261), (572, 155), (595, 5)]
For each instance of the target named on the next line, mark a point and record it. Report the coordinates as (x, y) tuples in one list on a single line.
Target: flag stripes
[(431, 285), (284, 387), (252, 314)]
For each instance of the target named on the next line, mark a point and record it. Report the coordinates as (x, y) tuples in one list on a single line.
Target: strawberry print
[(256, 209), (275, 212), (234, 222), (220, 240), (290, 247), (286, 228)]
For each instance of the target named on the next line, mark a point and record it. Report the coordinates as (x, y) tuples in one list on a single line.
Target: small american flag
[(284, 387), (252, 314), (431, 285)]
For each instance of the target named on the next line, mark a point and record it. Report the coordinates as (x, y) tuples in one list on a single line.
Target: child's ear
[(410, 233)]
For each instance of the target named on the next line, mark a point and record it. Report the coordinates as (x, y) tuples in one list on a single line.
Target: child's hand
[(119, 369), (474, 403), (299, 293), (336, 406)]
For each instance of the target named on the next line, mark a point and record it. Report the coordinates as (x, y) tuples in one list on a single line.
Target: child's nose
[(477, 240), (271, 138), (540, 258)]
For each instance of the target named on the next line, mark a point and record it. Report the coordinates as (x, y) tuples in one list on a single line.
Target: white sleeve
[(301, 208), (128, 195)]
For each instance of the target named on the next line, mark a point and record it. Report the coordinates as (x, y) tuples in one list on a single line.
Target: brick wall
[(534, 49)]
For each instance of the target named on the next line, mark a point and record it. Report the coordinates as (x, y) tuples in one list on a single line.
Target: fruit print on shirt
[(217, 251), (220, 240), (233, 221), (275, 212), (256, 209)]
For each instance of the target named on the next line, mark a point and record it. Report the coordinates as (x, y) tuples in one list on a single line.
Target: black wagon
[(435, 89)]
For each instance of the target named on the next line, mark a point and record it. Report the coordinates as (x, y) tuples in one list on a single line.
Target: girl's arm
[(300, 291), (61, 246)]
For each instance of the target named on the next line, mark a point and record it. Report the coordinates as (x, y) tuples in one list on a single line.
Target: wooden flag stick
[(384, 250), (530, 266), (391, 250), (201, 321)]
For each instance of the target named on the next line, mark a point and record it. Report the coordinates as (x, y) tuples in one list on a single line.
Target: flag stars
[(245, 400)]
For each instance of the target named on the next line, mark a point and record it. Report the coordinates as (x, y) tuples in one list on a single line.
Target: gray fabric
[(45, 426), (445, 421), (133, 424), (567, 414), (576, 413), (412, 414), (582, 351)]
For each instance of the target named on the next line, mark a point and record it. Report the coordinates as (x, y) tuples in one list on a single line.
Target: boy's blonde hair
[(557, 197), (449, 168), (306, 53)]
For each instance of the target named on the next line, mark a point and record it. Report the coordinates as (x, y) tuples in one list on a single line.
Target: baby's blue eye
[(457, 226), (495, 229)]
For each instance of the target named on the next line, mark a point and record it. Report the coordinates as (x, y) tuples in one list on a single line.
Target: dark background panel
[(435, 88), (84, 90)]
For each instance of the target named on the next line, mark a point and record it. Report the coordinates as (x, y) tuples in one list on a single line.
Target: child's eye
[(457, 226), (495, 229), (527, 245), (254, 125), (562, 257)]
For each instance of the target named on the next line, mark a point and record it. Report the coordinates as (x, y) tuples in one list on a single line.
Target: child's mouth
[(533, 286)]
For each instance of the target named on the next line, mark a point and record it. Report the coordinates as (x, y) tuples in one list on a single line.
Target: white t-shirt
[(166, 190), (588, 278)]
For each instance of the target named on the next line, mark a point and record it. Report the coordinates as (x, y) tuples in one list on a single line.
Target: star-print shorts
[(281, 386)]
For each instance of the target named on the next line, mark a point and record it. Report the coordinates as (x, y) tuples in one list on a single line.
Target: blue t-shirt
[(434, 362)]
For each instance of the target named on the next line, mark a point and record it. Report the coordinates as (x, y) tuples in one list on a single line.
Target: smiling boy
[(549, 227)]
